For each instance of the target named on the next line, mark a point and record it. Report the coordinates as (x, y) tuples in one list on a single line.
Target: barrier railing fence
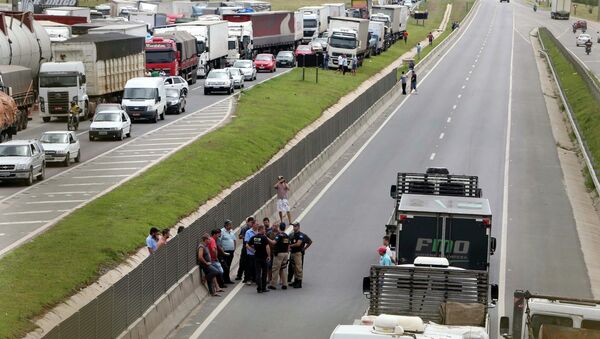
[(114, 310)]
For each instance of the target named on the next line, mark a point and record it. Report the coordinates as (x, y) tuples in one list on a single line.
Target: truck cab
[(59, 84), (242, 31), (311, 26)]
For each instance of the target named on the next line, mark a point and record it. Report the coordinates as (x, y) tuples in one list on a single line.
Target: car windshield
[(217, 75), (139, 93), (320, 40), (14, 151), (584, 36), (263, 58), (108, 117), (234, 71), (54, 138), (242, 64), (304, 48), (107, 107), (172, 93), (286, 54)]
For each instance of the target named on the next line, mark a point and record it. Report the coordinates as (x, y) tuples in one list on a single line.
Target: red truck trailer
[(272, 31), (173, 52), (61, 19)]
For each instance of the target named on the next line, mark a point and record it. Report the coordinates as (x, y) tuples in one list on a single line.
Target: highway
[(485, 87), (25, 211)]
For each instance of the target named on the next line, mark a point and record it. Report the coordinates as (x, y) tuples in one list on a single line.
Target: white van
[(145, 98)]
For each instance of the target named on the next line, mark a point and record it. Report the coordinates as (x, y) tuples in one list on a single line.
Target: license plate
[(136, 114), (4, 174), (260, 67), (103, 133)]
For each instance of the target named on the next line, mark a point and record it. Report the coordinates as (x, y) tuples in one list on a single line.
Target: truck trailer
[(561, 9), (173, 52), (398, 16), (360, 9), (8, 117), (69, 12), (17, 82), (89, 69), (133, 29), (150, 19), (347, 36), (336, 9)]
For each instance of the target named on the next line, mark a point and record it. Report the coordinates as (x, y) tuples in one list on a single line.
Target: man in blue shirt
[(250, 270), (152, 240), (227, 243)]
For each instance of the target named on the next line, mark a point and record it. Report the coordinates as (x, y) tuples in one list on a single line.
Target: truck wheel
[(46, 119), (67, 161)]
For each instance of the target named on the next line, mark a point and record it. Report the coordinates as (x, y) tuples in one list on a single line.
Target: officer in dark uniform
[(281, 248), (300, 242), (262, 255)]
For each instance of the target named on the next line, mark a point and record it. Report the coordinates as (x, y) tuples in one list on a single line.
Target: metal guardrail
[(114, 310), (593, 87)]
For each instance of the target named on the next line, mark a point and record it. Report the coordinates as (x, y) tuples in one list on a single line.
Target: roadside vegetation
[(585, 107), (71, 255)]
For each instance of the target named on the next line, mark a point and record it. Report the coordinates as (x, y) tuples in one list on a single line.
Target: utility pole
[(15, 5)]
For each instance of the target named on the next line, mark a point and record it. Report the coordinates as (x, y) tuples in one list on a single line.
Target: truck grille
[(137, 109), (58, 102), (7, 167)]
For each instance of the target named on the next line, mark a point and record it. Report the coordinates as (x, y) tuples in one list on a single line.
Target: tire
[(78, 158), (184, 91), (155, 119), (67, 161), (42, 174), (46, 119), (29, 180), (162, 116), (91, 138), (205, 91), (122, 135), (128, 133)]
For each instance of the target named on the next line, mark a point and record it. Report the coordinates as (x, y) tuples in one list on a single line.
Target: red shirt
[(212, 249)]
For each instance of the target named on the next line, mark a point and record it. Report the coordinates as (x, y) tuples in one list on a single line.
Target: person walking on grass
[(413, 82), (354, 64), (419, 47), (430, 38), (405, 37), (403, 83)]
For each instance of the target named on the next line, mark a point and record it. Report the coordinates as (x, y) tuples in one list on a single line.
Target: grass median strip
[(72, 254), (585, 107)]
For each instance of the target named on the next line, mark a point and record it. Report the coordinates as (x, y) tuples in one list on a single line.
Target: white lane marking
[(237, 289), (503, 233), (467, 79), (459, 96), (86, 184), (471, 71), (2, 234), (110, 169), (181, 138), (182, 133), (432, 156), (76, 192), (454, 107), (23, 222), (157, 144), (449, 119), (199, 87), (82, 133), (463, 87), (442, 135), (122, 162), (144, 150), (28, 212), (473, 65), (181, 129), (131, 155), (101, 176), (52, 202)]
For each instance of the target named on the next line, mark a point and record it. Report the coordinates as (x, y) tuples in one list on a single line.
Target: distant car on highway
[(110, 124), (177, 82), (61, 146), (237, 75), (582, 39), (265, 62), (22, 160), (247, 68), (175, 101), (303, 50), (218, 80), (322, 41), (285, 59)]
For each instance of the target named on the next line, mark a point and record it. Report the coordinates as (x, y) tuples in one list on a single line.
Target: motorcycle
[(588, 49), (534, 7), (73, 121)]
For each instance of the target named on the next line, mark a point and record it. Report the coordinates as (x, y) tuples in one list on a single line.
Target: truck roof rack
[(437, 183)]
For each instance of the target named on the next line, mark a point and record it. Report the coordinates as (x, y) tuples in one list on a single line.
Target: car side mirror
[(71, 141), (393, 191), (505, 327), (158, 99)]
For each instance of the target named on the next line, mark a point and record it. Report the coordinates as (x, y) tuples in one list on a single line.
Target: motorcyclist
[(73, 119), (588, 46), (535, 7)]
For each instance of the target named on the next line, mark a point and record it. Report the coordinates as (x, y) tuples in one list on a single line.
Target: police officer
[(259, 243), (300, 242), (281, 248)]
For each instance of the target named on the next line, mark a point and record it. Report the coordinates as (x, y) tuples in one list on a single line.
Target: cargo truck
[(17, 82), (561, 9), (377, 30), (61, 19), (89, 69), (272, 31), (398, 16), (347, 36), (8, 117), (212, 42), (150, 19), (56, 32), (551, 317), (133, 29), (314, 21), (173, 52), (69, 12), (360, 8), (336, 9), (241, 32)]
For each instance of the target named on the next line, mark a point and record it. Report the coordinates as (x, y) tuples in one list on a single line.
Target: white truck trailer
[(398, 15), (315, 21), (349, 37), (89, 69), (336, 9), (69, 11), (377, 30), (561, 9), (137, 29)]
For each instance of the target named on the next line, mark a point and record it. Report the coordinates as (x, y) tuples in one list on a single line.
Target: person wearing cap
[(384, 258), (300, 242), (281, 247), (152, 240), (227, 242), (283, 205)]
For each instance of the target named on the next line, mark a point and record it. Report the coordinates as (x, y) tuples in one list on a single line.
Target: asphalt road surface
[(459, 120), (27, 210)]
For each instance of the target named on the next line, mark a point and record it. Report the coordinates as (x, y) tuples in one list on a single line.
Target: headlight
[(21, 166)]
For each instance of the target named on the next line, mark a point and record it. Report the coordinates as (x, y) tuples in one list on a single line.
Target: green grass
[(71, 255), (585, 107)]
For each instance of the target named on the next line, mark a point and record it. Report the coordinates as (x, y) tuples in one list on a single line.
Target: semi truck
[(360, 8), (437, 214), (17, 82), (398, 16), (89, 69), (314, 21), (546, 316), (150, 19), (347, 36), (271, 31), (173, 52), (8, 117), (336, 9), (241, 33), (561, 9), (212, 42), (377, 30)]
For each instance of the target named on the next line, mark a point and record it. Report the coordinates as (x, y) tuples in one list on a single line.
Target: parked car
[(22, 160), (265, 62), (582, 39), (110, 124), (247, 68), (177, 82), (218, 80), (285, 58), (175, 101), (107, 107), (61, 146), (237, 75), (303, 50), (322, 41), (316, 47)]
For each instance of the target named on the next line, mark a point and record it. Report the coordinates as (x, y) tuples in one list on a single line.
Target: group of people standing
[(346, 64)]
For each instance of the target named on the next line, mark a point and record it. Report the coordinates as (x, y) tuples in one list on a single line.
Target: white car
[(237, 75), (114, 124), (22, 160), (582, 39), (177, 82), (61, 146), (218, 80), (247, 67)]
